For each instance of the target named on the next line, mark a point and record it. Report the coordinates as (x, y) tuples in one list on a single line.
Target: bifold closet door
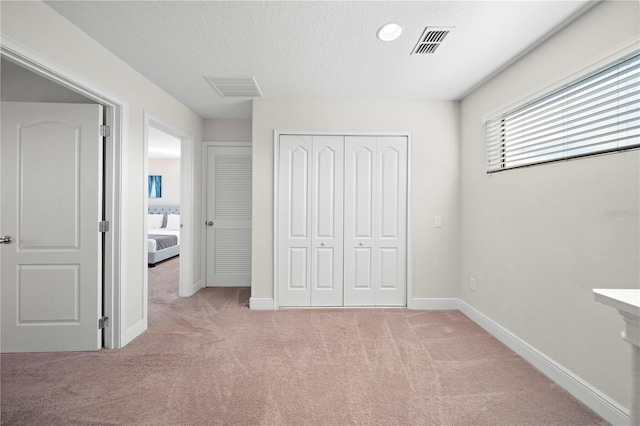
[(375, 221), (310, 206)]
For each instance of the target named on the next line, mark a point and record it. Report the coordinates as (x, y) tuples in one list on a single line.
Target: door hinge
[(105, 130), (103, 322), (103, 226)]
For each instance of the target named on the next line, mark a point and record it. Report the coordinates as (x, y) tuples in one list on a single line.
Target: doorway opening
[(169, 157), (163, 198)]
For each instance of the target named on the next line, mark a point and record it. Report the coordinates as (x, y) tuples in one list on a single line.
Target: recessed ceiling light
[(388, 32)]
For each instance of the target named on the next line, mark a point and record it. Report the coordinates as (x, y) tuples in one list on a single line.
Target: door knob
[(5, 240), (210, 223), (322, 244), (361, 243)]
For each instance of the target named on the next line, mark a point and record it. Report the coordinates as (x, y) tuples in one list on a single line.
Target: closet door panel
[(362, 268), (298, 189), (360, 217), (325, 191), (327, 220), (297, 277), (294, 227), (391, 234), (324, 264), (362, 186), (389, 268), (342, 203), (390, 189)]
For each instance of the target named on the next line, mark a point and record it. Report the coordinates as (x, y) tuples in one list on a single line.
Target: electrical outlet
[(472, 283), (437, 222)]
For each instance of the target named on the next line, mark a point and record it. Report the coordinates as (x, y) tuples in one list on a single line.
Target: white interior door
[(228, 220), (342, 220), (294, 220), (51, 181), (327, 169), (375, 230), (361, 213), (310, 215)]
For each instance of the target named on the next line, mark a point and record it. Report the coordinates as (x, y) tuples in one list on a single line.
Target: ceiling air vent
[(430, 40), (235, 87)]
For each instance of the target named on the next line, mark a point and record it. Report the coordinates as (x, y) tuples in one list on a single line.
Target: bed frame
[(164, 254)]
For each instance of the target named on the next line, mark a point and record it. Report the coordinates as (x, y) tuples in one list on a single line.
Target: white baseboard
[(196, 286), (135, 330), (434, 303), (261, 304), (608, 409)]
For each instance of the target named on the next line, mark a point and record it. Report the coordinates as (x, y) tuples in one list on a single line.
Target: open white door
[(51, 184)]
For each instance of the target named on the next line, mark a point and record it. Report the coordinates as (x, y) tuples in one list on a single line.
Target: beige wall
[(539, 239), (214, 130), (434, 126), (21, 85), (38, 28), (169, 169)]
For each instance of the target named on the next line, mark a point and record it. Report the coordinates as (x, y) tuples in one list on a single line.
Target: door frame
[(115, 178), (276, 168), (187, 141), (205, 183)]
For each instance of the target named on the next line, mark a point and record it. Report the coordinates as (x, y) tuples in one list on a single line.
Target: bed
[(163, 231)]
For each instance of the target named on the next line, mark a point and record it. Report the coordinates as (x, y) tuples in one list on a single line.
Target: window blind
[(595, 114)]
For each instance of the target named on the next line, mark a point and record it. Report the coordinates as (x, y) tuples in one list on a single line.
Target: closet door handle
[(361, 243), (210, 223)]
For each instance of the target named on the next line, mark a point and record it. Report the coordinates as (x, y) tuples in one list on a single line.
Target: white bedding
[(161, 231)]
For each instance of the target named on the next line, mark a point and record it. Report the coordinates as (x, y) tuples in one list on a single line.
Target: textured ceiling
[(315, 50)]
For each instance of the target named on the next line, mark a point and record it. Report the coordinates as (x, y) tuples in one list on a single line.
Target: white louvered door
[(228, 219), (342, 220)]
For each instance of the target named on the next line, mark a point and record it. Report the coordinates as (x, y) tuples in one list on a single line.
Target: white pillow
[(154, 221), (173, 222)]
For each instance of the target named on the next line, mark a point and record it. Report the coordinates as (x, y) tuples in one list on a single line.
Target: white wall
[(435, 178), (169, 169), (21, 85), (216, 130), (38, 28), (539, 239)]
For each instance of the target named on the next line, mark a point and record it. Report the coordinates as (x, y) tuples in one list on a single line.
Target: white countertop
[(625, 300)]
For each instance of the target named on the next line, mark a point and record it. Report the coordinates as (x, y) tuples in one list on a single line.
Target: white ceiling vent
[(430, 40), (235, 87)]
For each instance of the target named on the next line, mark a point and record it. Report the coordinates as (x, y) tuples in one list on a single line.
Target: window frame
[(559, 148)]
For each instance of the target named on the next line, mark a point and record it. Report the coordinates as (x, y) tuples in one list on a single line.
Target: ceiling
[(315, 49)]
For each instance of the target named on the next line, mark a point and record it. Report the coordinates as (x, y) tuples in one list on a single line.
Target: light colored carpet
[(209, 360)]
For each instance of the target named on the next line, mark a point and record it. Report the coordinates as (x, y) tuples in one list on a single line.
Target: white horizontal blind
[(595, 114)]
